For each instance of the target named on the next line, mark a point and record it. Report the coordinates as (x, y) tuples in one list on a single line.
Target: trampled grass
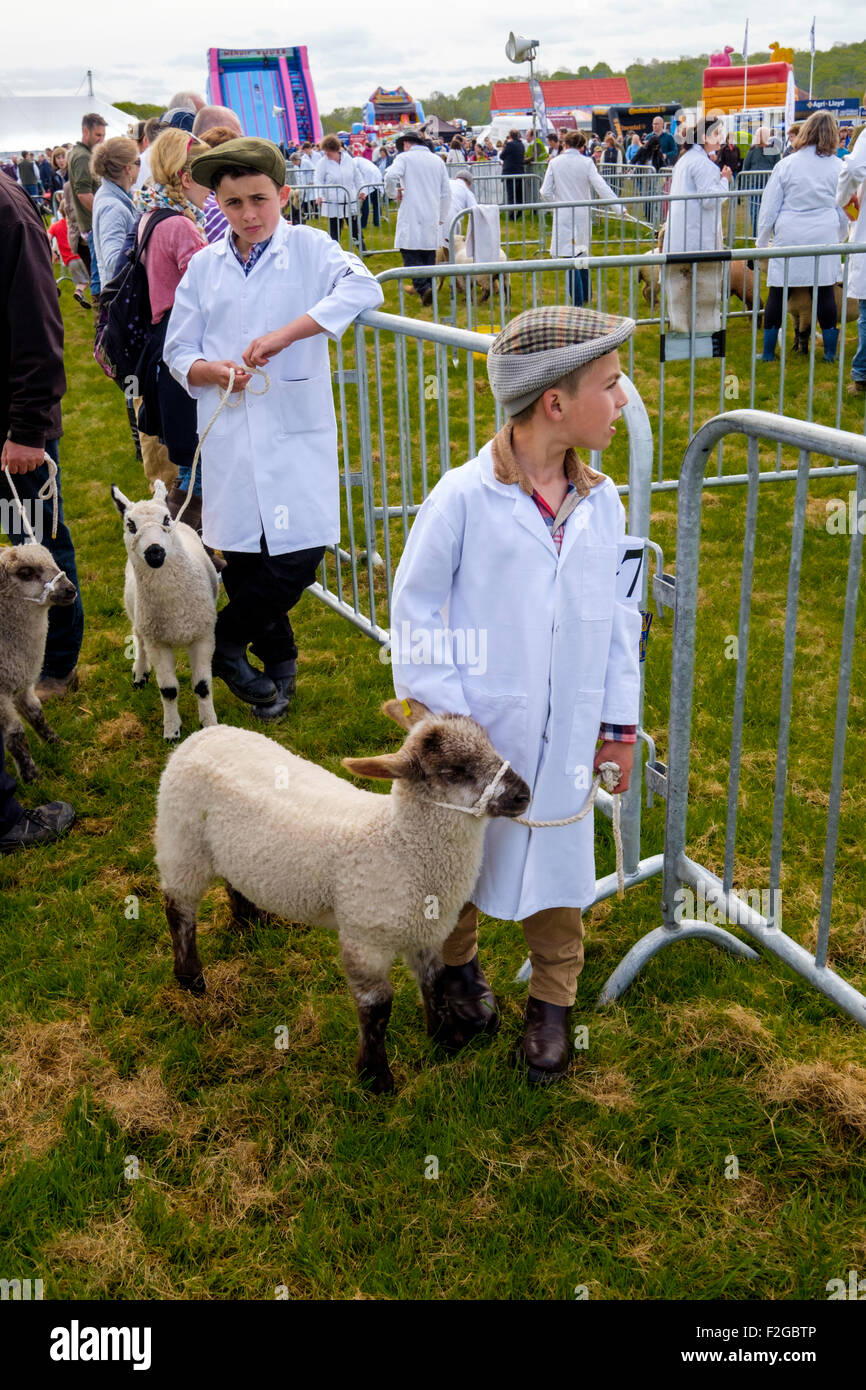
[(260, 1167)]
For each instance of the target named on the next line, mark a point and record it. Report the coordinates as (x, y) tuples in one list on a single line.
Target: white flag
[(812, 37), (746, 45)]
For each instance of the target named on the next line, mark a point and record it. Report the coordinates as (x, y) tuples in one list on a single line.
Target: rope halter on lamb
[(170, 595), (389, 873)]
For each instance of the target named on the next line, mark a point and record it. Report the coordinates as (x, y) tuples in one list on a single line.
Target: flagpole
[(812, 58), (746, 76)]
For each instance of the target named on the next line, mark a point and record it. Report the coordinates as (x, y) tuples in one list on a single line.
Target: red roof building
[(512, 98)]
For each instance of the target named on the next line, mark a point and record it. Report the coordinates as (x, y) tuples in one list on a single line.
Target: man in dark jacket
[(32, 383), (513, 162)]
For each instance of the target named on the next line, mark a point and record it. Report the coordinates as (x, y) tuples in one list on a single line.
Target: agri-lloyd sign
[(843, 108)]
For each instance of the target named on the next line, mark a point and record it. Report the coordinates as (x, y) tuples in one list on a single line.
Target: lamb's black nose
[(155, 556)]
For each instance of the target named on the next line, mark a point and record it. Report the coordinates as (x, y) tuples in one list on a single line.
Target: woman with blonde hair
[(799, 208), (115, 162), (173, 223)]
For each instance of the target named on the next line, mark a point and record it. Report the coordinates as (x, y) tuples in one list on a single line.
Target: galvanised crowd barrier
[(685, 881), (719, 353), (402, 391)]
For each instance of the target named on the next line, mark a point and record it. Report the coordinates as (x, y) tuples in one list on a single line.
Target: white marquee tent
[(39, 122)]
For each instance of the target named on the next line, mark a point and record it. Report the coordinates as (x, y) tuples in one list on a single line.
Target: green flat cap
[(259, 156)]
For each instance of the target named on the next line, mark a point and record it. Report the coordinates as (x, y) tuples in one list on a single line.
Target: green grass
[(261, 1167)]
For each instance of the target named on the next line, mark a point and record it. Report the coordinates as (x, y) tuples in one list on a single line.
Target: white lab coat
[(341, 183), (372, 177), (544, 652), (462, 199), (851, 178), (695, 225), (799, 208), (572, 179), (426, 198), (307, 176), (269, 464)]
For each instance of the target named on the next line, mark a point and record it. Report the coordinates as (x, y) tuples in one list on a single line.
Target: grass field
[(156, 1146)]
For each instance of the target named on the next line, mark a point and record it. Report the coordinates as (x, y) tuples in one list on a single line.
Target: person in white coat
[(694, 223), (373, 185), (419, 182), (270, 294), (572, 178), (852, 184), (339, 176), (506, 607), (799, 208)]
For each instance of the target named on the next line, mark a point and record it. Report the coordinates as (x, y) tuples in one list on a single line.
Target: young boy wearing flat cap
[(266, 294), (509, 578)]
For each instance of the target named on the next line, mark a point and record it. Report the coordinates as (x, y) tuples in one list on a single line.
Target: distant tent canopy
[(395, 107), (41, 122), (436, 128)]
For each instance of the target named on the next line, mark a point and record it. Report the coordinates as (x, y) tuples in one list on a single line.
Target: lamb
[(389, 873), (30, 583), (800, 309), (741, 282), (170, 595)]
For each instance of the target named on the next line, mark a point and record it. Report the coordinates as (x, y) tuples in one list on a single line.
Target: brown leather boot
[(545, 1050), (462, 1007)]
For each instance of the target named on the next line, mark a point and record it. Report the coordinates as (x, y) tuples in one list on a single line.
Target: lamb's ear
[(387, 766), (120, 502), (160, 491), (405, 712)]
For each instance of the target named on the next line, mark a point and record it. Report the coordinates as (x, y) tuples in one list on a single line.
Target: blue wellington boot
[(831, 339), (770, 338)]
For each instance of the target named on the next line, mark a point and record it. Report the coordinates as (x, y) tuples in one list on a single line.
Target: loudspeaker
[(520, 50)]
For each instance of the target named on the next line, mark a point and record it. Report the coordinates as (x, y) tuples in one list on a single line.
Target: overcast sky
[(144, 53)]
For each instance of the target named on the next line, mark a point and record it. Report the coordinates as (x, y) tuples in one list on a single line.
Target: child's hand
[(261, 350), (203, 373), (620, 753)]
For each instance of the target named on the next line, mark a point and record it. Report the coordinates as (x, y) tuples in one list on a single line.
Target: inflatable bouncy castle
[(726, 89), (270, 89)]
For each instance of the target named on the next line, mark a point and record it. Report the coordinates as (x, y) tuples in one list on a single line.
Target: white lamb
[(170, 593), (390, 873), (30, 582)]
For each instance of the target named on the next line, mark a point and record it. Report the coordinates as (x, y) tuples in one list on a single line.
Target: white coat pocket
[(585, 722), (598, 590), (306, 406), (505, 718)]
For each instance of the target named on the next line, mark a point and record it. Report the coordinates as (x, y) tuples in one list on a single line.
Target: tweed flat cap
[(541, 346), (259, 156)]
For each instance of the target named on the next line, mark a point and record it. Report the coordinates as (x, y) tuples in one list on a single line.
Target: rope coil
[(47, 493)]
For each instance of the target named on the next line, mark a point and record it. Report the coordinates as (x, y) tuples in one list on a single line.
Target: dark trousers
[(826, 311), (335, 225), (420, 258), (168, 412), (10, 811), (370, 204), (579, 288), (65, 625), (261, 590), (513, 194)]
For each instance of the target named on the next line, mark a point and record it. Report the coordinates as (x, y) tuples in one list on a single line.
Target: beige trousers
[(555, 941)]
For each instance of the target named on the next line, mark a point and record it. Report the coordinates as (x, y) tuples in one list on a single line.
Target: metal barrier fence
[(396, 393), (719, 354), (717, 893), (316, 204)]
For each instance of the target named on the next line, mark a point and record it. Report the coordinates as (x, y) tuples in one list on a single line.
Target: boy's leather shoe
[(285, 690), (243, 680), (545, 1050), (463, 1006), (38, 827)]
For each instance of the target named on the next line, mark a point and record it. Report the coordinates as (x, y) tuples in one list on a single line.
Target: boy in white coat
[(505, 608), (266, 293)]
